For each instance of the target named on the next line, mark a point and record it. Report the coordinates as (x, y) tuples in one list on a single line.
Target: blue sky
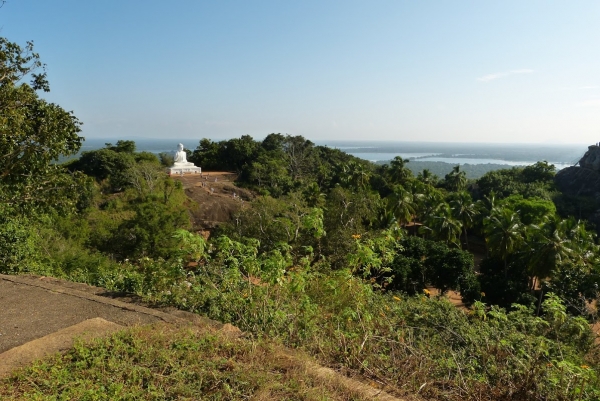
[(469, 71)]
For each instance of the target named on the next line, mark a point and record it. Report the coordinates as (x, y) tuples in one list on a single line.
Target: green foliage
[(456, 180), (320, 260), (33, 134), (348, 213), (105, 164), (122, 147), (150, 233), (281, 163), (577, 286), (530, 181), (341, 318), (17, 248), (504, 233), (505, 284), (441, 225), (273, 221), (418, 263), (531, 210), (539, 172), (166, 159), (162, 363), (120, 167)]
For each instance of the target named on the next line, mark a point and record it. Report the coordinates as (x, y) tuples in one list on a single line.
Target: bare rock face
[(591, 158), (579, 181), (583, 180)]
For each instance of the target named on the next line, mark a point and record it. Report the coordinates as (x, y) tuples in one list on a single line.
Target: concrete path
[(42, 315)]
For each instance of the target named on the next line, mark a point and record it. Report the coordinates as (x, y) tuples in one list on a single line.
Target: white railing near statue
[(181, 165)]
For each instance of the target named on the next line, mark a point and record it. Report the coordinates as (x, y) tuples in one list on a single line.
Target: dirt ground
[(215, 196)]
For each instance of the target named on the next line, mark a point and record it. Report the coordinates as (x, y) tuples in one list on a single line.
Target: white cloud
[(491, 77)]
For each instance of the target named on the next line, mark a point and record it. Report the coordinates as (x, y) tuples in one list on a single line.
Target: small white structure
[(182, 166)]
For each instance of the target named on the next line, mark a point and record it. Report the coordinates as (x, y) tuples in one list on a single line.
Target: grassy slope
[(162, 362)]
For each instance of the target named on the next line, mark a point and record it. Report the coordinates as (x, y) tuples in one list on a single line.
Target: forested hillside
[(335, 255)]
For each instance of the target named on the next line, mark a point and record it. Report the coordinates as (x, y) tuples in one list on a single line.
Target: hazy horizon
[(464, 72), (332, 140)]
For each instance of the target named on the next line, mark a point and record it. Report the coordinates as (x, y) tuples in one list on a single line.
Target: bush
[(17, 248)]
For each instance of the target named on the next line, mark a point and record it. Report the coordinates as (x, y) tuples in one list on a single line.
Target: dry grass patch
[(165, 363)]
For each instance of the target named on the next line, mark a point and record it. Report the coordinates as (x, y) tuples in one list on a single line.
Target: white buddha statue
[(181, 165), (181, 157)]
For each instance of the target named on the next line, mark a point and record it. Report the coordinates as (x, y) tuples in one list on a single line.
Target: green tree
[(122, 146), (456, 180), (531, 210), (504, 234), (33, 133), (427, 177), (442, 225), (298, 154), (207, 155), (103, 164), (398, 172), (271, 174), (401, 204), (539, 172), (151, 232), (239, 152), (551, 247), (17, 247), (464, 210)]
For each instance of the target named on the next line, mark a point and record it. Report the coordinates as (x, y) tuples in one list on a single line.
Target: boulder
[(579, 181), (591, 158)]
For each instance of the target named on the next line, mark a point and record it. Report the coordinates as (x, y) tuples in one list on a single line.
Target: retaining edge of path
[(34, 281), (52, 343)]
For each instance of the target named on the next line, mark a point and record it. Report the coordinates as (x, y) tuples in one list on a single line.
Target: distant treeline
[(473, 171)]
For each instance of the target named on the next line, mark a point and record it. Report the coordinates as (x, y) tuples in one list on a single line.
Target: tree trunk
[(540, 300)]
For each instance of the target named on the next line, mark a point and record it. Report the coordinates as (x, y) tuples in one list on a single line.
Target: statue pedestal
[(181, 169)]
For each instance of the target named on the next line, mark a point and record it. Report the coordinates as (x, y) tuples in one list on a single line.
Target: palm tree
[(456, 179), (314, 196), (556, 242), (504, 233), (401, 204), (398, 170), (361, 175), (484, 208), (427, 177), (552, 246), (429, 202), (443, 226), (584, 242), (356, 175), (464, 210)]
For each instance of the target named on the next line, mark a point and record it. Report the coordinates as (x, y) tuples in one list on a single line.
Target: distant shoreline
[(488, 156)]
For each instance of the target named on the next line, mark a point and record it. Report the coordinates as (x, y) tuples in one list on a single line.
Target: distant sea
[(381, 151)]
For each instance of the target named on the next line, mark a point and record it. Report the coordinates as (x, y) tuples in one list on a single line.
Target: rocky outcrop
[(578, 181), (583, 180), (591, 158)]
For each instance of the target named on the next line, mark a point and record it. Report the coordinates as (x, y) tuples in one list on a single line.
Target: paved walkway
[(43, 315)]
